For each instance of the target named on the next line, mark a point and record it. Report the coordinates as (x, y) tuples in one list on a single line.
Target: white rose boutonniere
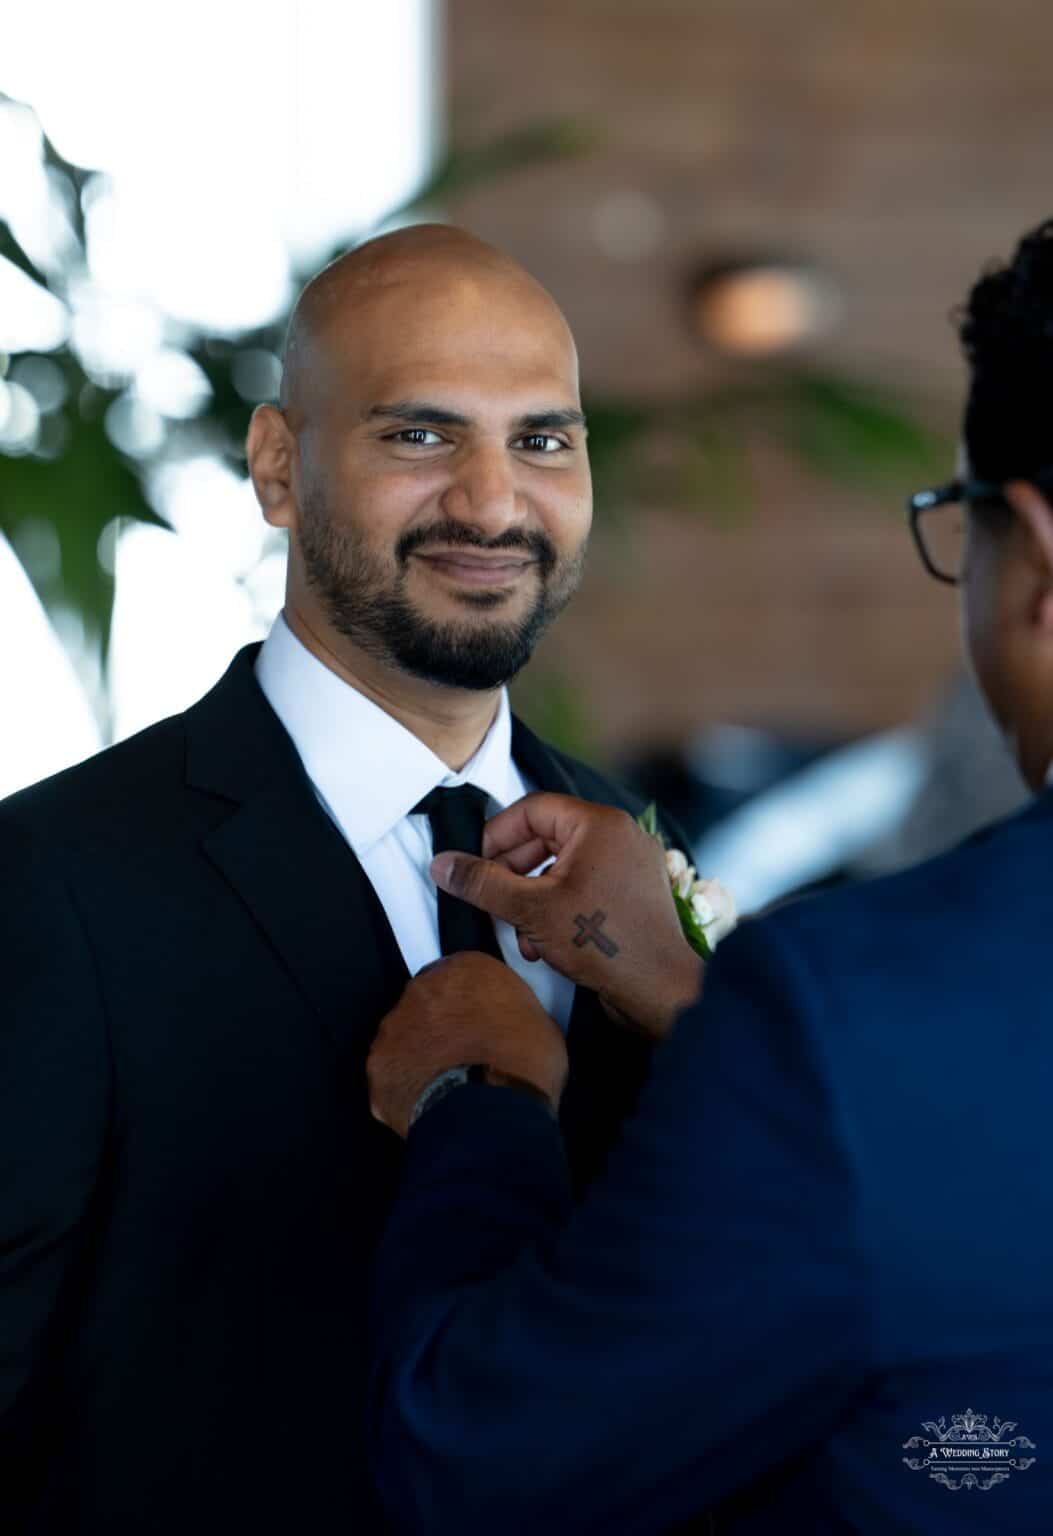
[(706, 909)]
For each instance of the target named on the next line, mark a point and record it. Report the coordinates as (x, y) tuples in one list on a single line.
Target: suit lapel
[(288, 864)]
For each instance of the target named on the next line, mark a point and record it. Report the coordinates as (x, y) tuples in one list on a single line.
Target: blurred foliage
[(555, 707), (75, 480), (695, 452)]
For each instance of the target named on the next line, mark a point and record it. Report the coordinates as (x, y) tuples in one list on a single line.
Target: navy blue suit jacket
[(828, 1225)]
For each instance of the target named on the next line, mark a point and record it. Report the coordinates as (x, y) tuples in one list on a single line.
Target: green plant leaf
[(77, 494), (648, 821), (715, 479), (856, 432), (616, 430)]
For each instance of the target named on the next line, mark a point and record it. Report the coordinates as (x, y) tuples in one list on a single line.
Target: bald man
[(201, 928)]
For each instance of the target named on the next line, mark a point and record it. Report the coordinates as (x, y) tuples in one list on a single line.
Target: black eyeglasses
[(938, 524)]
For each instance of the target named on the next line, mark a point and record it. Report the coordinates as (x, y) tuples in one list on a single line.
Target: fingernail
[(442, 868)]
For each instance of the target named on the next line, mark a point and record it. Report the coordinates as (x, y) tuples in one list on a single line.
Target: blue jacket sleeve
[(54, 1096), (624, 1364)]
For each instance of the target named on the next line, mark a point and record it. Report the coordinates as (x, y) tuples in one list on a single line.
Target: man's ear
[(1035, 515), (270, 447)]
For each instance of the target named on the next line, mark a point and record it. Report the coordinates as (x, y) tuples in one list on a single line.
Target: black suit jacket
[(191, 1185)]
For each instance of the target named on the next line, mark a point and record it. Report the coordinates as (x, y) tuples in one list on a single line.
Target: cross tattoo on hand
[(590, 930)]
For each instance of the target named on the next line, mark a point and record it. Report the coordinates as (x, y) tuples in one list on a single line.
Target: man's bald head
[(422, 266), (429, 460)]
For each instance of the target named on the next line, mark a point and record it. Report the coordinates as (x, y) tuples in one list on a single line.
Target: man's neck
[(452, 722)]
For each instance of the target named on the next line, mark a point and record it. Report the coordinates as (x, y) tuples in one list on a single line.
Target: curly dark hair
[(1006, 328)]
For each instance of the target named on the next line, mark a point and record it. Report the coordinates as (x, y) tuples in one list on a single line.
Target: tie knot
[(457, 817)]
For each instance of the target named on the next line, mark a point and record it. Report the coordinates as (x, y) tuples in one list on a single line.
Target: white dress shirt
[(368, 772)]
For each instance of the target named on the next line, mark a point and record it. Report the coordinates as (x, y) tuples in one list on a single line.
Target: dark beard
[(364, 603)]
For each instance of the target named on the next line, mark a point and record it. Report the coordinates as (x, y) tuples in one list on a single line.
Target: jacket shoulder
[(995, 875)]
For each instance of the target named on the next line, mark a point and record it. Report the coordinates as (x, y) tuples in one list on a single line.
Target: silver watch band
[(478, 1072), (439, 1087)]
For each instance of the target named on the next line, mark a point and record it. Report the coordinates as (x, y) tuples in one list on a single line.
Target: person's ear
[(1035, 515), (270, 447)]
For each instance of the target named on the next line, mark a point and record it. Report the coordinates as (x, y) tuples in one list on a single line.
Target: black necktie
[(457, 817)]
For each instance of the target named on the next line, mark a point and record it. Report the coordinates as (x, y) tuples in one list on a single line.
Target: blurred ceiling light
[(759, 306)]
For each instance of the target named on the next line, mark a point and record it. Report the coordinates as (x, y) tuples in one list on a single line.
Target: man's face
[(985, 636), (1005, 622), (443, 499)]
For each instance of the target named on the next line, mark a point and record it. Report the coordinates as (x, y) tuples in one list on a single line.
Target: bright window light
[(47, 720), (241, 143)]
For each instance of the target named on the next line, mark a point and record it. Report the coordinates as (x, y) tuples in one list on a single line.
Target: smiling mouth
[(476, 570)]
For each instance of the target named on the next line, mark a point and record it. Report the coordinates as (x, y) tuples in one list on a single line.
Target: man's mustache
[(447, 535)]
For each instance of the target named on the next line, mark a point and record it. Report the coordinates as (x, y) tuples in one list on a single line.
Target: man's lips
[(475, 569)]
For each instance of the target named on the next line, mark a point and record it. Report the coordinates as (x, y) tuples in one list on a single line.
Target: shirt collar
[(368, 769)]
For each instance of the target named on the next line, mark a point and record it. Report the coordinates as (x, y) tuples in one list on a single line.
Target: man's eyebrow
[(422, 413), (541, 421), (418, 413)]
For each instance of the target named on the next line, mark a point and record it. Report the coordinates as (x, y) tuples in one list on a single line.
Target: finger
[(374, 1086), (526, 857), (487, 886), (527, 948), (552, 818)]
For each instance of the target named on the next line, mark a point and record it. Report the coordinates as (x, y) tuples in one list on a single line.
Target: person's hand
[(465, 1009), (602, 914)]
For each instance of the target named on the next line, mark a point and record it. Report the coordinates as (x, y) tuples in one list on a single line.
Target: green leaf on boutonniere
[(692, 929), (694, 933), (648, 820)]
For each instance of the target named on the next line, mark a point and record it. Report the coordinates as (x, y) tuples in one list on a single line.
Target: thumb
[(491, 887)]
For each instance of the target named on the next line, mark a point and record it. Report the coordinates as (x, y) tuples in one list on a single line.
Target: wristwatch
[(478, 1072)]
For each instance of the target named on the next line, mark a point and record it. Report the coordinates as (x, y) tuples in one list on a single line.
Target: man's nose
[(483, 492)]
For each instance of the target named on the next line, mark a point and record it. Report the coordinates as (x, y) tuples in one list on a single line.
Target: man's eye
[(418, 437), (542, 442)]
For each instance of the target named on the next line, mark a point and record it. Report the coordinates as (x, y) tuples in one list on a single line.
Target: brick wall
[(900, 147)]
